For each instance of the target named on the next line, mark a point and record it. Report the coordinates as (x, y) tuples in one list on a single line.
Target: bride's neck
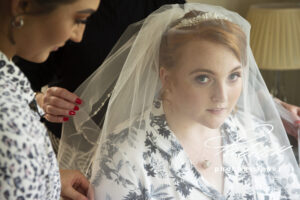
[(186, 129)]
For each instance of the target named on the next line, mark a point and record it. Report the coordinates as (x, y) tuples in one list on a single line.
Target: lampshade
[(275, 35)]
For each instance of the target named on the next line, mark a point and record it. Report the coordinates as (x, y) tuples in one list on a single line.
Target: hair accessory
[(200, 18)]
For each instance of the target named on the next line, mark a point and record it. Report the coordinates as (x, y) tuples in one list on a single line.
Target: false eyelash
[(81, 21)]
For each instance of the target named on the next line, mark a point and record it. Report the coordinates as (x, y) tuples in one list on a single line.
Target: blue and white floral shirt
[(28, 166), (152, 164)]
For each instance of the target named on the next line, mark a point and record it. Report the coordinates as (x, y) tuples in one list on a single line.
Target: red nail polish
[(78, 101), (76, 108), (72, 112), (65, 119)]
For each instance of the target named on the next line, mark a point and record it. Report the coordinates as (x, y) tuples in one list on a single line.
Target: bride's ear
[(164, 76)]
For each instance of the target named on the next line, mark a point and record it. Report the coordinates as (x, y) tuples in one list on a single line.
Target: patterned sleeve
[(21, 176), (117, 179), (290, 181), (286, 176), (28, 169)]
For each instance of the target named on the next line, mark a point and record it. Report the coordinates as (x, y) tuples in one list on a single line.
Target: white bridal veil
[(129, 79)]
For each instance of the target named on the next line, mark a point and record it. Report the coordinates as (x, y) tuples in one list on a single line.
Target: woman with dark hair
[(32, 29), (67, 68)]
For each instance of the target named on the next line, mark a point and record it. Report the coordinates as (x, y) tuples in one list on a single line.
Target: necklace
[(205, 164)]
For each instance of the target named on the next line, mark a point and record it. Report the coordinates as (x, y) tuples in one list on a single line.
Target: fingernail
[(76, 108), (65, 119), (72, 112), (78, 101)]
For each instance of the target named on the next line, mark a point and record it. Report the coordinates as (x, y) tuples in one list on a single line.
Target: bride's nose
[(219, 93)]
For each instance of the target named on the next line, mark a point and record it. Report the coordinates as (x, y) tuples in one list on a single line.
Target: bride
[(189, 117)]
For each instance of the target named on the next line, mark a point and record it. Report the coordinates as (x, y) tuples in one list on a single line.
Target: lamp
[(275, 38)]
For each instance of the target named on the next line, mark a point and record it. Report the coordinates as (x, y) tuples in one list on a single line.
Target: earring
[(17, 21)]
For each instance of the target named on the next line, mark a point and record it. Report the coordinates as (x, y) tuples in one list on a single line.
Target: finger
[(65, 198), (81, 190), (91, 194), (64, 94), (297, 123), (83, 183), (55, 118), (71, 193), (59, 103), (290, 128), (49, 109)]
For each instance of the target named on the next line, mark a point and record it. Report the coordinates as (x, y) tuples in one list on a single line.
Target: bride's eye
[(234, 76), (202, 79)]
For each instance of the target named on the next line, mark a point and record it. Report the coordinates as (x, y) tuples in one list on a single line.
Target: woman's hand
[(58, 104), (75, 186), (291, 129)]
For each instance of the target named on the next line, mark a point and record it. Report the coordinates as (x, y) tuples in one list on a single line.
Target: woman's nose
[(77, 33)]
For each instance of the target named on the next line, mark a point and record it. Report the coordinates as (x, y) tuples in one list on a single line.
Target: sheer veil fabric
[(129, 78)]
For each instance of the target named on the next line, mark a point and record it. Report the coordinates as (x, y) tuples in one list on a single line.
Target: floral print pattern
[(28, 167), (150, 163)]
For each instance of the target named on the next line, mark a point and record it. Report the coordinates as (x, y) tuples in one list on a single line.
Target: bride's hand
[(58, 104)]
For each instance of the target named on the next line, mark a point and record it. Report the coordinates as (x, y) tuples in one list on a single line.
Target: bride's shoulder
[(255, 130)]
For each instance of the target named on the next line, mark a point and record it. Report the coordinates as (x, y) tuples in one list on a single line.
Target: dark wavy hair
[(46, 6)]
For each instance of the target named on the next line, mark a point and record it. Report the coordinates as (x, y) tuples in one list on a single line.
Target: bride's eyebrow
[(202, 70), (211, 72), (236, 68)]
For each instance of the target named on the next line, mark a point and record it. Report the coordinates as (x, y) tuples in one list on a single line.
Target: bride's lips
[(216, 111)]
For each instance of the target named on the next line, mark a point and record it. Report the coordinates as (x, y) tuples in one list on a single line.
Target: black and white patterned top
[(28, 167), (148, 162)]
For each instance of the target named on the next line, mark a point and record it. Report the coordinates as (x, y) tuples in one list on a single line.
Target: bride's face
[(205, 83)]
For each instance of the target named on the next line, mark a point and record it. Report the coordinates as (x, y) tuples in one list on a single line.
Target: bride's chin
[(213, 124)]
